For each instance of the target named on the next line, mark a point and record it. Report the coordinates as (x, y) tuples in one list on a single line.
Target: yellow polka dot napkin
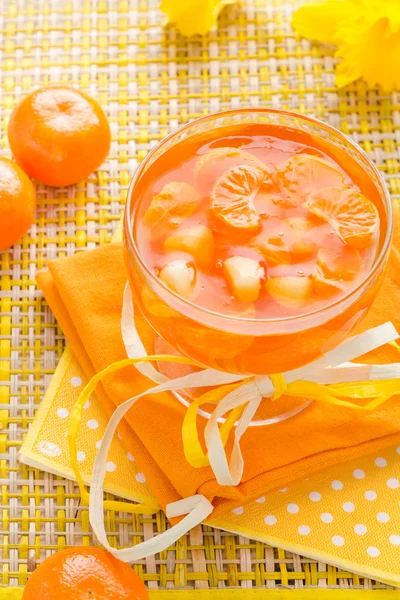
[(347, 515)]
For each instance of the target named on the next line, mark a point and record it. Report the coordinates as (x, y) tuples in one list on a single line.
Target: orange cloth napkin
[(85, 294)]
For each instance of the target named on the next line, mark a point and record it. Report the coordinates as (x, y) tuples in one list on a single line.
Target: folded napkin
[(85, 293)]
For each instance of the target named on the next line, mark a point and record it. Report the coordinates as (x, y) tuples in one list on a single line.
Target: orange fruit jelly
[(263, 226)]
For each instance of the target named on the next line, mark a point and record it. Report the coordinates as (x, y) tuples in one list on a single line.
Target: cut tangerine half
[(176, 202), (351, 215), (301, 175), (233, 194)]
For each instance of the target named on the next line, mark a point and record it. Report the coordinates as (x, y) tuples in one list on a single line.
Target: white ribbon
[(333, 367)]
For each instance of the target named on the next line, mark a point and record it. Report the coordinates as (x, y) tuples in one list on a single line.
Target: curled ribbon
[(331, 379)]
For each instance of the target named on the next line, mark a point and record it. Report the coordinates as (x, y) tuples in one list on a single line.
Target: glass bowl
[(252, 346)]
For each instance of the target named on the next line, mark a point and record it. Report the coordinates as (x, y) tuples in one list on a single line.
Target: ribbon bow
[(331, 379)]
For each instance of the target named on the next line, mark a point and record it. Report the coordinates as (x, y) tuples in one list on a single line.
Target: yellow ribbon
[(76, 417), (333, 395), (339, 395)]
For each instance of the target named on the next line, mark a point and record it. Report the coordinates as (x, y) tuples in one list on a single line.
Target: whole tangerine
[(84, 574), (59, 135), (17, 203)]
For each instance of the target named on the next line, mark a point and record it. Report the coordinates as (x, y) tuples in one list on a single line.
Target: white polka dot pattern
[(370, 495), (63, 413), (239, 510), (337, 485), (304, 530), (360, 529), (326, 518), (315, 496), (338, 540), (358, 474)]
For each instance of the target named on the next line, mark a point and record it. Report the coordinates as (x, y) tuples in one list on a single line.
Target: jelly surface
[(257, 221)]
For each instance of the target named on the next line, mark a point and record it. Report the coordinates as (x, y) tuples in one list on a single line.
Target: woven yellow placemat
[(149, 82), (253, 594)]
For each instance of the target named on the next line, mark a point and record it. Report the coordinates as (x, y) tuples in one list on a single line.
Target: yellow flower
[(367, 33), (193, 16)]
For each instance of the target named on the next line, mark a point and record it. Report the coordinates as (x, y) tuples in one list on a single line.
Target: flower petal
[(193, 16), (321, 21), (373, 54)]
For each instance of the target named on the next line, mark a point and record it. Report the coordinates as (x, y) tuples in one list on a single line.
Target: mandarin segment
[(180, 277), (197, 241), (352, 216), (176, 202), (334, 270), (291, 292), (212, 164), (233, 195), (244, 277), (299, 176), (274, 249), (342, 266)]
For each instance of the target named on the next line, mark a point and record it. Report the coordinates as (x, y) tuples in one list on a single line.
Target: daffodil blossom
[(366, 32), (193, 16)]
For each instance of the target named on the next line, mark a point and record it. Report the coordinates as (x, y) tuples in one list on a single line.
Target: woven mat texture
[(149, 81)]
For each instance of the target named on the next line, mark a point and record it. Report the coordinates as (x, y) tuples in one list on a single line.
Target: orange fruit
[(84, 574), (17, 203), (176, 202), (59, 135), (351, 215), (301, 175), (233, 194)]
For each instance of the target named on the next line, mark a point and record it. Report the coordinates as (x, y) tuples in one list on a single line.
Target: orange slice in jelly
[(233, 194), (351, 215), (274, 249), (211, 165), (336, 269), (176, 202), (299, 176), (291, 292)]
